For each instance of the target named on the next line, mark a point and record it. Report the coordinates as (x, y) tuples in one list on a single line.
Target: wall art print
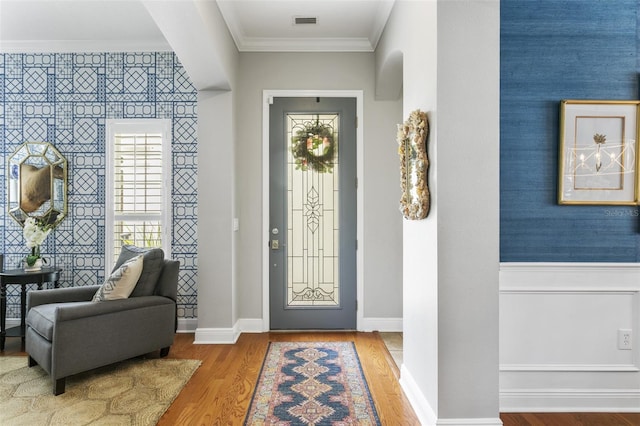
[(598, 152)]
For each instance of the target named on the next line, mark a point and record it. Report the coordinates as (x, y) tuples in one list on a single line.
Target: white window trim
[(113, 127)]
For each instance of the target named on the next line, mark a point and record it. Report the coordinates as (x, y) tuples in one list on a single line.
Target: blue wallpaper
[(65, 99), (553, 50)]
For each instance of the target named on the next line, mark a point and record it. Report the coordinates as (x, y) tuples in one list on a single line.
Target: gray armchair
[(67, 333)]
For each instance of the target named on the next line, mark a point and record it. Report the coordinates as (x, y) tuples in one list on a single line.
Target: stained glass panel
[(313, 215)]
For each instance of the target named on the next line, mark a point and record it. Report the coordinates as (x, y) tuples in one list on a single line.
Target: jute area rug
[(312, 383), (133, 392)]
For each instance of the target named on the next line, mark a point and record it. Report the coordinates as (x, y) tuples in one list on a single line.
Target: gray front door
[(312, 233)]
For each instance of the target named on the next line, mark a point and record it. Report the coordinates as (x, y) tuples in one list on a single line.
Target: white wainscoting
[(559, 327)]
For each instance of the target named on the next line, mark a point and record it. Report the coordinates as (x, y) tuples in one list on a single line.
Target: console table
[(22, 278)]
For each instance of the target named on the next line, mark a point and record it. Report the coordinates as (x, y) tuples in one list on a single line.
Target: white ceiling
[(68, 26), (125, 25), (342, 25)]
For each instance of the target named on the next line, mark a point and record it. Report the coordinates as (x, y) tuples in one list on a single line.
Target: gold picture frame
[(414, 165), (598, 152), (37, 184)]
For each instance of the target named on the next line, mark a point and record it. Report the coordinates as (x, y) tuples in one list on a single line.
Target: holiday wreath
[(314, 147)]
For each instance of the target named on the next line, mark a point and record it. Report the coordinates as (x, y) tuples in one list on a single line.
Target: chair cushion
[(153, 259), (41, 318), (121, 282)]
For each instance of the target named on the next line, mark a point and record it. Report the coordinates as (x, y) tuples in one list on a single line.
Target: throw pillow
[(121, 282), (153, 261)]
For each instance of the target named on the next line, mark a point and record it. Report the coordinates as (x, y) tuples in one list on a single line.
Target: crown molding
[(381, 18), (75, 46), (254, 44)]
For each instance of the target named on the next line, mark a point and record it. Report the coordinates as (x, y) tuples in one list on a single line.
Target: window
[(138, 193)]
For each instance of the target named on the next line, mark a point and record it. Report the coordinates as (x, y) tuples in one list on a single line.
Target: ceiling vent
[(305, 20)]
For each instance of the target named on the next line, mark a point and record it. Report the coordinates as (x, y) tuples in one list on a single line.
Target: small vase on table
[(35, 231), (33, 262)]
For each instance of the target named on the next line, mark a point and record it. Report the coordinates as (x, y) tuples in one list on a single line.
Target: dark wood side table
[(22, 278)]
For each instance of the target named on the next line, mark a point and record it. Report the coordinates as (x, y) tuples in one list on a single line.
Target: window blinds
[(138, 189)]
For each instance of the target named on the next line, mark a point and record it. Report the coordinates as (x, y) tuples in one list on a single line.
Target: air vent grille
[(305, 20)]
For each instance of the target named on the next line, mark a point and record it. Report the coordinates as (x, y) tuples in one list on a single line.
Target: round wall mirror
[(37, 183)]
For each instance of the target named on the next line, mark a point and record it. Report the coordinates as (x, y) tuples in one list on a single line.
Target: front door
[(312, 233)]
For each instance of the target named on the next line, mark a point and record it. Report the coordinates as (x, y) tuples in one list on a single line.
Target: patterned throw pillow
[(121, 282), (153, 261)]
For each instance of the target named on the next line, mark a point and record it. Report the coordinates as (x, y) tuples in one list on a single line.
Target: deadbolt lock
[(275, 244)]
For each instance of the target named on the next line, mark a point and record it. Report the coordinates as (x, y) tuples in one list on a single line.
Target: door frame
[(267, 96)]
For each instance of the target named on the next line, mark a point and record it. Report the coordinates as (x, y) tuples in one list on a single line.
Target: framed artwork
[(598, 152)]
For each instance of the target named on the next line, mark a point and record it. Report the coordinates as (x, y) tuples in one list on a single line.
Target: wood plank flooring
[(570, 419), (220, 391)]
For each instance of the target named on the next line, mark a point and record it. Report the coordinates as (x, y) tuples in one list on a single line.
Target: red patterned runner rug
[(311, 383)]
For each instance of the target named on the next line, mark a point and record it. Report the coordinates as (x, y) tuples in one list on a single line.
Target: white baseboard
[(216, 336), (187, 325), (424, 411), (570, 400), (256, 325), (470, 422), (250, 325), (12, 322), (381, 324), (225, 336), (416, 398)]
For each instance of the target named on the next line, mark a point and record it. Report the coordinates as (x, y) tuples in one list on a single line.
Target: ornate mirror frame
[(414, 165), (37, 183)]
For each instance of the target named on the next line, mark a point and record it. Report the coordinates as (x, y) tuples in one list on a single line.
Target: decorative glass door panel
[(312, 213), (313, 277)]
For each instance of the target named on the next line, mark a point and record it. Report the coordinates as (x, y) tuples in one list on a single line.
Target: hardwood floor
[(570, 419), (220, 391)]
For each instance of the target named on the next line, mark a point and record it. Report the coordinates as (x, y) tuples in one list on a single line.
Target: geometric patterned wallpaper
[(65, 99)]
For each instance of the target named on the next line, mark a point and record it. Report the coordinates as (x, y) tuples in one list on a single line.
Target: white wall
[(382, 221), (199, 36), (411, 31), (451, 70), (469, 197), (215, 210)]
